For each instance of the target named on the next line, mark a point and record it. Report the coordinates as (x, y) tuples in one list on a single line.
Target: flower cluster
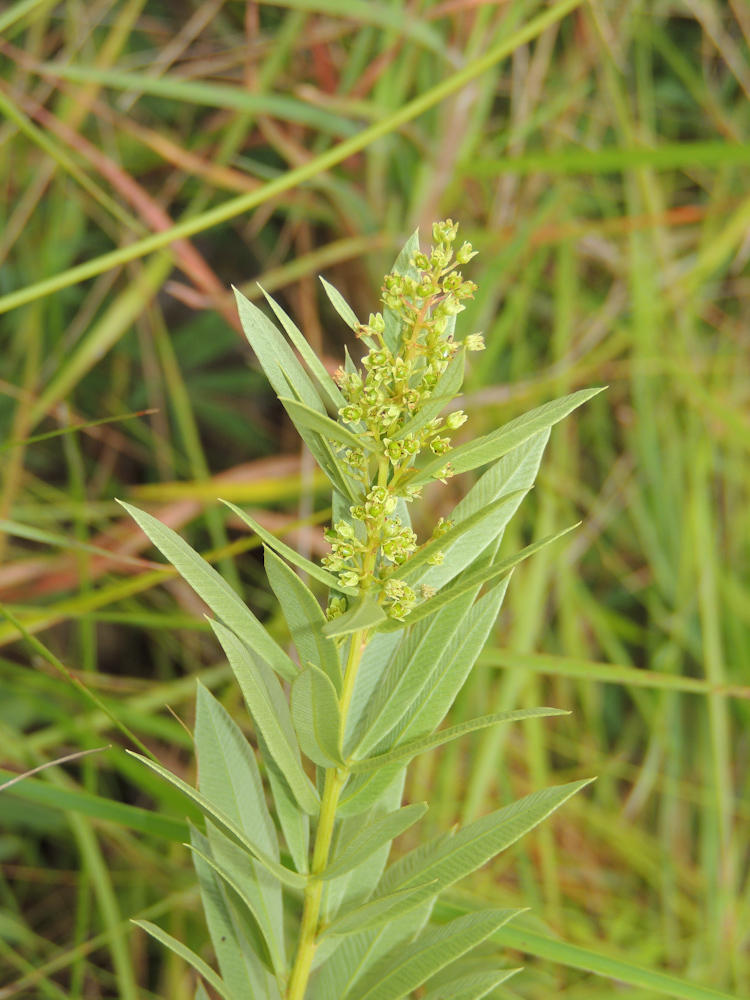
[(384, 398)]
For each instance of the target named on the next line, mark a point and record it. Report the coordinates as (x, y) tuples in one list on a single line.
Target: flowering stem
[(335, 780)]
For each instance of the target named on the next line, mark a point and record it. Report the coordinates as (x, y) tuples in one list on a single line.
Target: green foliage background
[(598, 159)]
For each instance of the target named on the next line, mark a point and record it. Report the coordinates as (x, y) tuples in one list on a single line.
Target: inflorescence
[(383, 403)]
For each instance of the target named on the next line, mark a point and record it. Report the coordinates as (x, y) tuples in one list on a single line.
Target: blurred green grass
[(600, 162)]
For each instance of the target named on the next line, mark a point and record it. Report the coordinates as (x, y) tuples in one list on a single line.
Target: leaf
[(493, 446), (398, 974), (304, 617), (380, 650), (392, 335), (317, 717), (410, 750), (513, 473), (446, 389), (240, 966), (421, 558), (311, 359), (274, 354), (307, 565), (215, 591), (447, 677), (341, 306), (295, 823), (188, 956), (229, 778), (382, 831), (240, 893), (478, 842), (305, 417), (469, 580), (375, 913), (365, 613), (270, 713), (226, 825), (471, 987)]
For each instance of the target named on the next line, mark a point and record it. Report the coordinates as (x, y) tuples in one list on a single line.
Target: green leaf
[(446, 389), (450, 671), (375, 913), (226, 825), (398, 974), (295, 823), (238, 891), (381, 832), (305, 417), (513, 473), (410, 750), (469, 580), (365, 613), (270, 712), (274, 354), (393, 324), (243, 968), (304, 617), (330, 390), (420, 559), (307, 565), (229, 778), (188, 956), (215, 591), (493, 446), (471, 987), (341, 306), (317, 717), (477, 843)]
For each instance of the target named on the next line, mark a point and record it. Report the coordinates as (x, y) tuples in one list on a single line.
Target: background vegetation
[(600, 161)]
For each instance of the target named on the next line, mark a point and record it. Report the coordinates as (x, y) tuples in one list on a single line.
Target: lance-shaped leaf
[(270, 713), (408, 751), (477, 843), (365, 613), (307, 565), (341, 306), (263, 942), (276, 357), (446, 389), (305, 417), (227, 826), (304, 617), (471, 987), (416, 697), (228, 776), (375, 913), (188, 956), (372, 838), (514, 472), (409, 569), (237, 950), (403, 265), (469, 580), (215, 591), (493, 446), (317, 717), (396, 975), (295, 823), (330, 390)]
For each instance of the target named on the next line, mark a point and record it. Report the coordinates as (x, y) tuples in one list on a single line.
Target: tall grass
[(598, 156)]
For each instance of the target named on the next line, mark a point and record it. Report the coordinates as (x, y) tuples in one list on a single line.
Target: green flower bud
[(474, 342), (455, 420)]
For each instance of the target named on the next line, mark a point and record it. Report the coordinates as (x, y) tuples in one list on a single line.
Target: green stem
[(335, 780)]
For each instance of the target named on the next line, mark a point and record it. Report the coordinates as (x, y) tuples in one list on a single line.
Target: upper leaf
[(215, 591), (493, 446), (304, 617), (398, 974), (317, 717), (365, 613), (471, 987), (380, 832)]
